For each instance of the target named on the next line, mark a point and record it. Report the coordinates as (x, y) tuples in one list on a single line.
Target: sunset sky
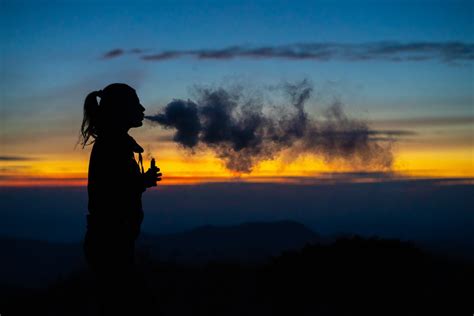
[(400, 66)]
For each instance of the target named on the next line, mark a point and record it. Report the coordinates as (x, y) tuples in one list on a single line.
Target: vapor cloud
[(243, 132), (387, 51)]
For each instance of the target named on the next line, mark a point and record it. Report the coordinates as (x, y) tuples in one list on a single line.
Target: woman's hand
[(152, 176)]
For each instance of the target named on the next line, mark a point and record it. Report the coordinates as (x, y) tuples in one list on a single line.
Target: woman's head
[(119, 109)]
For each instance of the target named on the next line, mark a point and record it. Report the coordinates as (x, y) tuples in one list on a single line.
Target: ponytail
[(91, 118)]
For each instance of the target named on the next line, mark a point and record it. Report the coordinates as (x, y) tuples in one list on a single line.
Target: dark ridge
[(248, 242), (351, 276)]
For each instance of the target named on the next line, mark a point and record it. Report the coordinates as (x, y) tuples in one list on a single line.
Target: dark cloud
[(137, 51), (14, 158), (242, 132), (113, 53), (163, 56), (388, 51), (394, 133), (427, 121)]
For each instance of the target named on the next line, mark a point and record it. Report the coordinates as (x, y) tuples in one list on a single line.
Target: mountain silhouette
[(247, 242), (347, 276), (33, 263)]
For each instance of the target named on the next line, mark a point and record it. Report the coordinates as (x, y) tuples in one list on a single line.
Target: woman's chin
[(137, 124)]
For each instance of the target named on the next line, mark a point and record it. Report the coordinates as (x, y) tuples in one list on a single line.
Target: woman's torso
[(115, 184)]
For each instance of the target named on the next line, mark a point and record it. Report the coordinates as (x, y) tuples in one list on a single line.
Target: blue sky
[(52, 56), (46, 45)]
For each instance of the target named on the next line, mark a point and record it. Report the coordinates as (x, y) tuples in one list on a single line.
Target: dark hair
[(95, 113)]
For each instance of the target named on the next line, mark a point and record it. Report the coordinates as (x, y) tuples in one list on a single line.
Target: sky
[(396, 65)]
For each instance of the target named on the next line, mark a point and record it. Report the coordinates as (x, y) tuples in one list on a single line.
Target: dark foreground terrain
[(348, 276)]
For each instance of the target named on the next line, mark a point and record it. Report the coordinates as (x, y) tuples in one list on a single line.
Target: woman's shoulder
[(118, 149)]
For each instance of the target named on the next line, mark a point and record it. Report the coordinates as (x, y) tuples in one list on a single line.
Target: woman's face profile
[(134, 111)]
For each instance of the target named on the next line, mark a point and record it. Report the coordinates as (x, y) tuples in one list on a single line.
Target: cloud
[(447, 52), (137, 51), (119, 52), (113, 53), (182, 115), (14, 158), (427, 121), (242, 131), (393, 133)]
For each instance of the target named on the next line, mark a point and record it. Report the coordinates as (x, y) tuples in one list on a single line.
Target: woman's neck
[(114, 133)]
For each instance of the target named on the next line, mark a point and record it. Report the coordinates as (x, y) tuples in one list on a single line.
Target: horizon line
[(323, 178)]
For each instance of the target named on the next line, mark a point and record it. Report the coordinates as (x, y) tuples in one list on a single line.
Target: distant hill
[(33, 263), (248, 242)]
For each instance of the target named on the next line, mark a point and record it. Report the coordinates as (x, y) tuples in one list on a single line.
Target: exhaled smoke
[(183, 116), (242, 134)]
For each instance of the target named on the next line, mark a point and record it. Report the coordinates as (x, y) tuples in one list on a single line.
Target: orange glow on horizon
[(55, 160), (182, 168)]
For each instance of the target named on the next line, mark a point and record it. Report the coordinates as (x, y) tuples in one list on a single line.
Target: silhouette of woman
[(115, 186)]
